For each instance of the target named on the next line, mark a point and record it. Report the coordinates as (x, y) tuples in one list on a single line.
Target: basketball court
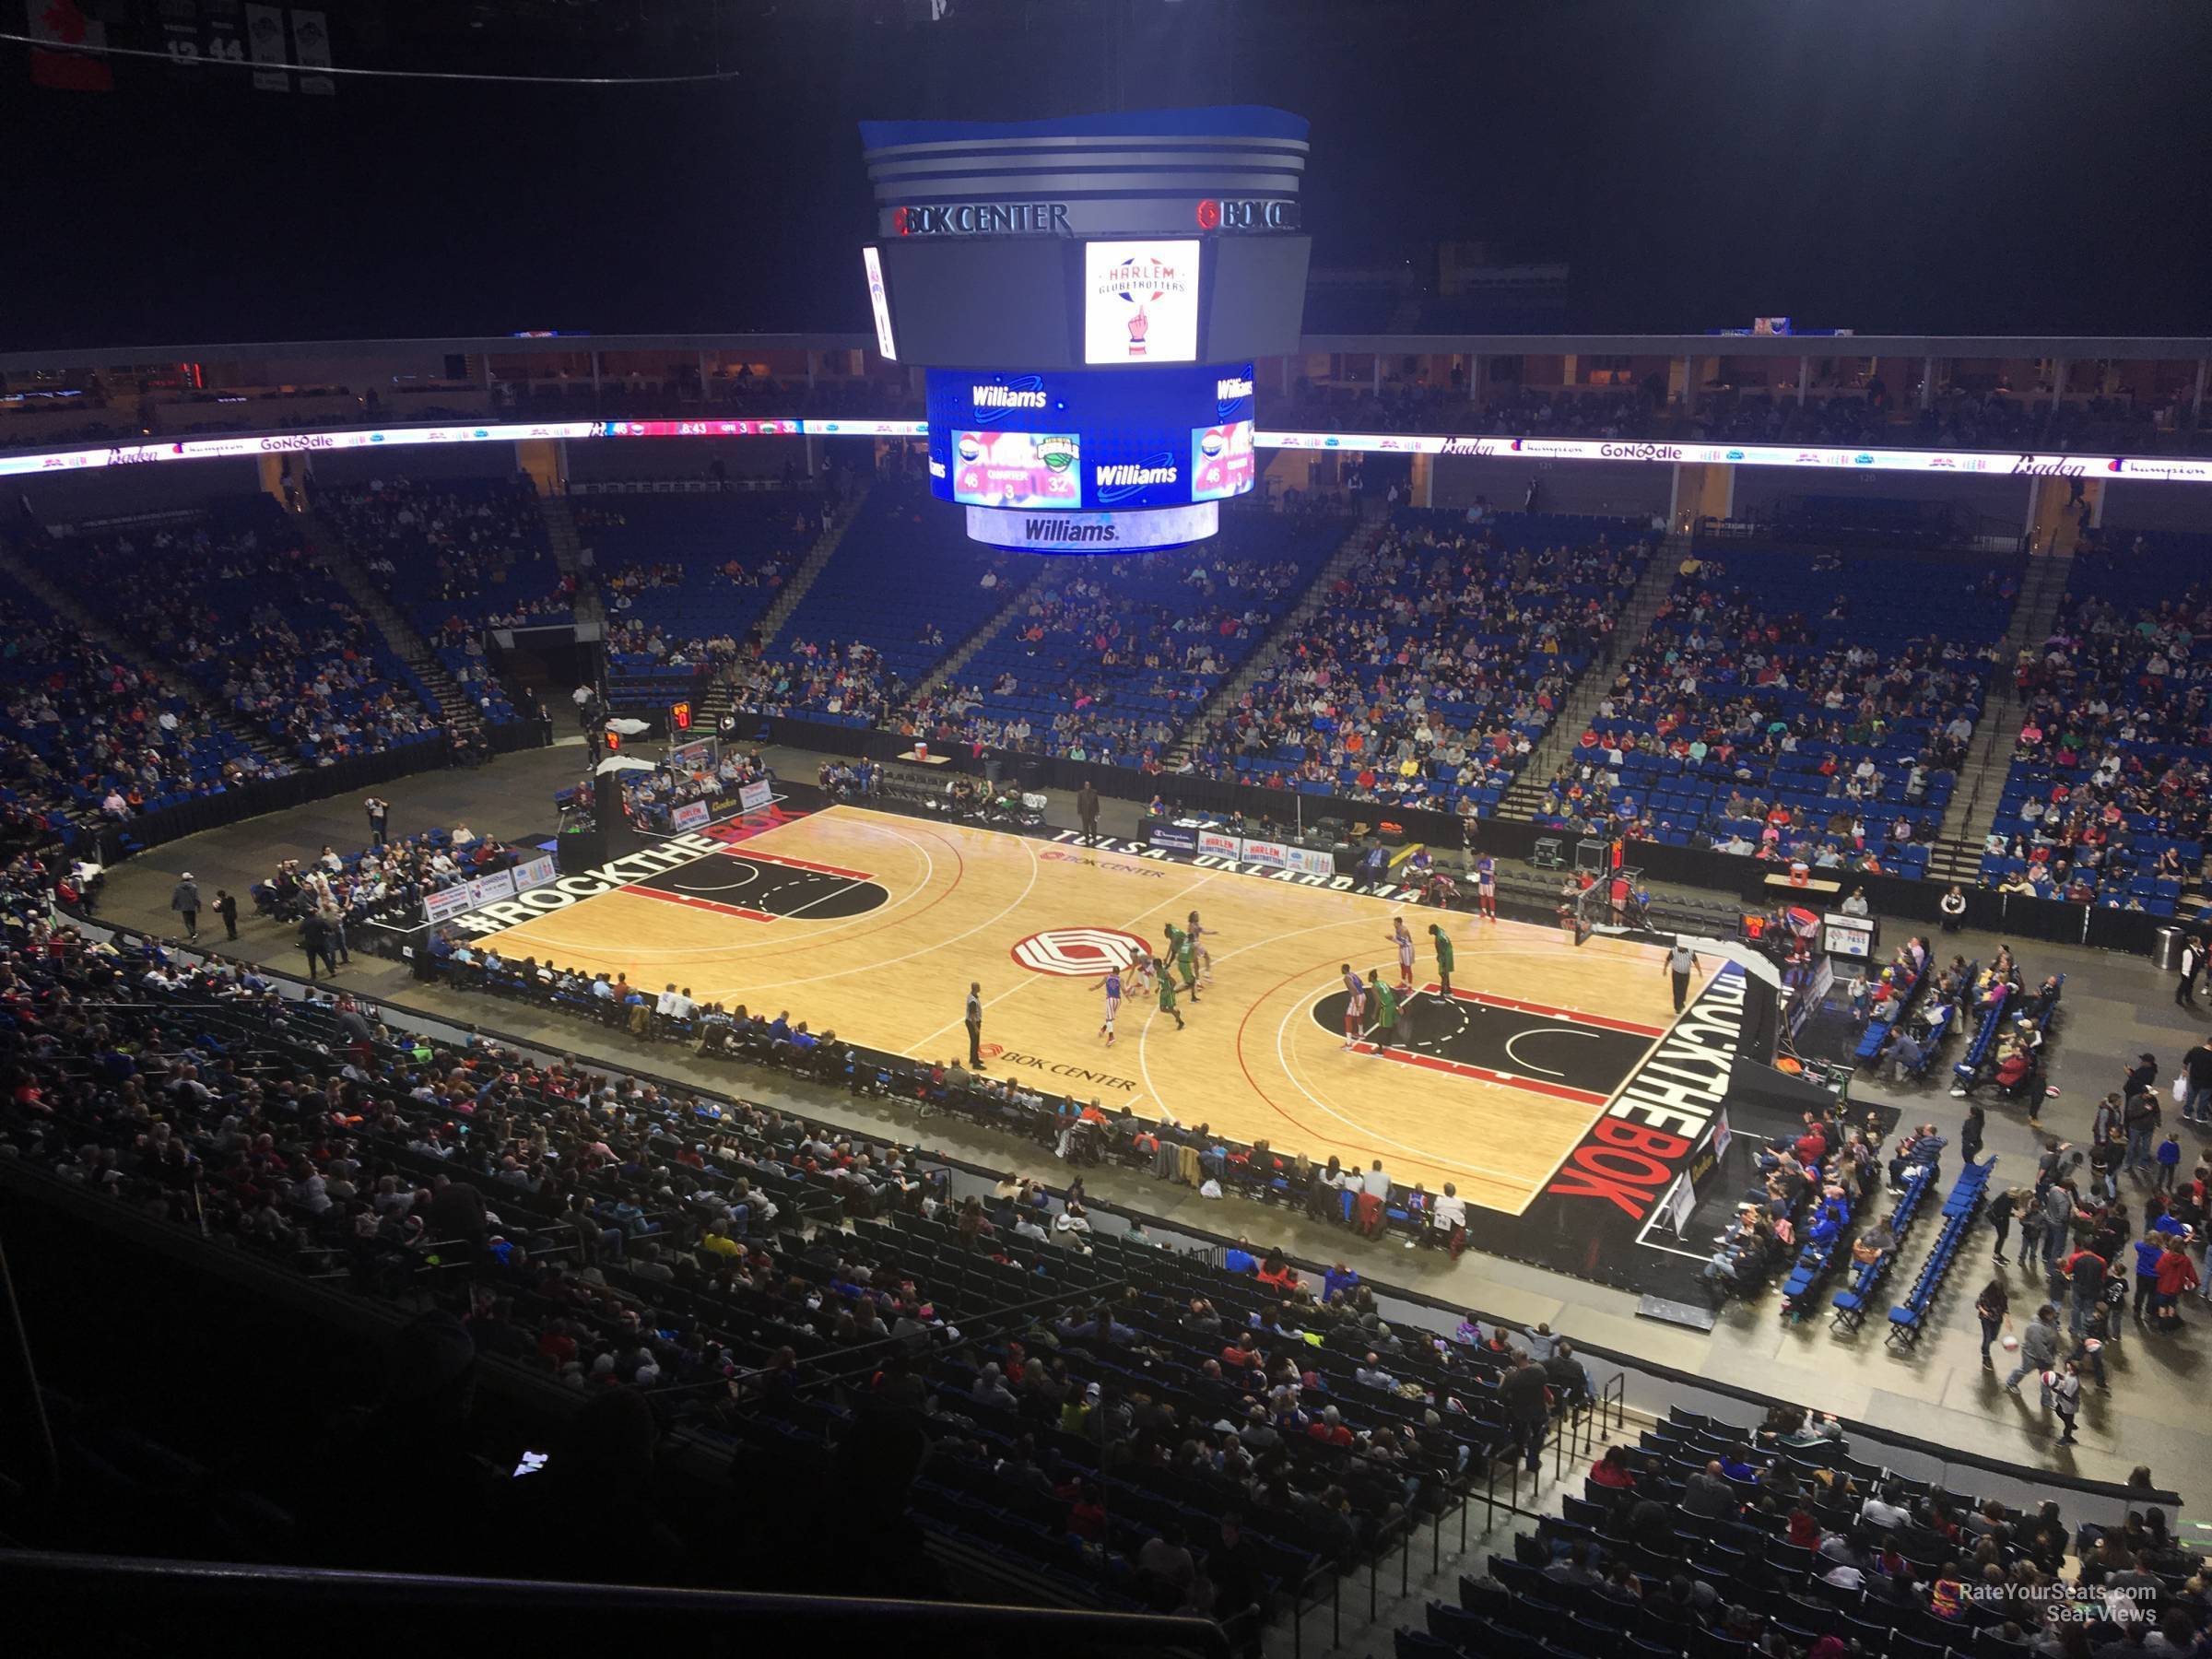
[(873, 924)]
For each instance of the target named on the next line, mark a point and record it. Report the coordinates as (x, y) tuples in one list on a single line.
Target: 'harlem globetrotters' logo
[(1139, 281)]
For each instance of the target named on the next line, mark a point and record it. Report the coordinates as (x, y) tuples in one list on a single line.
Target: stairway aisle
[(1981, 785), (1526, 793), (720, 694), (1374, 519), (568, 557), (455, 706)]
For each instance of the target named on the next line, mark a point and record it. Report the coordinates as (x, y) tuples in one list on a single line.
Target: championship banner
[(690, 816), (752, 796), (310, 45), (265, 44), (535, 871)]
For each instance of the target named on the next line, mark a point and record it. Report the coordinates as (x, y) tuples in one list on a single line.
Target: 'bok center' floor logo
[(1079, 952)]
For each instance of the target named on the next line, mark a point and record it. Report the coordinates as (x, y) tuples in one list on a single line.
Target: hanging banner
[(310, 45), (64, 23), (265, 44)]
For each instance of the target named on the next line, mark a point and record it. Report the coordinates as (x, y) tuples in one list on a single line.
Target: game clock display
[(1172, 437)]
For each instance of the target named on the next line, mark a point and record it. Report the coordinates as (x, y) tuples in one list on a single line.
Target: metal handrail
[(58, 1576)]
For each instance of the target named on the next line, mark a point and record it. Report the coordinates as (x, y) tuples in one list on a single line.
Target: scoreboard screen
[(993, 468), (1080, 439)]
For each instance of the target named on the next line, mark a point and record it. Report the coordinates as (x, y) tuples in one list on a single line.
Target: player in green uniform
[(1385, 1029), (1444, 957), (1178, 943), (1166, 997)]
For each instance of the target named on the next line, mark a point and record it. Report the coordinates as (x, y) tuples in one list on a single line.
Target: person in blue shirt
[(2148, 1249), (2170, 1161)]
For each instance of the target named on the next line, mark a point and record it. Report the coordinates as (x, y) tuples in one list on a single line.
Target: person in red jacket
[(2177, 1274)]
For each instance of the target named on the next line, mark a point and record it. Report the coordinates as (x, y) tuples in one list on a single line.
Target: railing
[(94, 1596)]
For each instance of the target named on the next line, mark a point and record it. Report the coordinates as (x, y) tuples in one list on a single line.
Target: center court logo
[(1079, 952)]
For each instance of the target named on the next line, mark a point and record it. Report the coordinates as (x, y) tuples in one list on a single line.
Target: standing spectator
[(2177, 1276), (1526, 1396), (2058, 1224), (2001, 1212), (1375, 1195), (2141, 1116), (2062, 1394), (315, 939), (186, 901), (1992, 1306), (2192, 963), (1087, 812), (2084, 1271), (2170, 1160), (2039, 1347), (971, 1016), (1970, 1137), (379, 820), (2197, 1066)]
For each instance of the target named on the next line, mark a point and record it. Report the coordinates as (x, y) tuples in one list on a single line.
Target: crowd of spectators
[(906, 587), (236, 604), (651, 797), (456, 555), (1108, 664), (386, 878), (630, 1238), (2109, 799), (1776, 1543), (1434, 666), (85, 735), (1830, 737), (686, 579)]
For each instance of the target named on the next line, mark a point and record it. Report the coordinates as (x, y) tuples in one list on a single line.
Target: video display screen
[(1140, 301), (1017, 469), (879, 304), (1165, 437), (1222, 461)]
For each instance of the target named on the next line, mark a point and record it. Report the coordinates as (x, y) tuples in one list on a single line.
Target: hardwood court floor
[(872, 925)]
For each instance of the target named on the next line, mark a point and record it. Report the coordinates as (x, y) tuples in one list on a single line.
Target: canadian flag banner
[(64, 23)]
